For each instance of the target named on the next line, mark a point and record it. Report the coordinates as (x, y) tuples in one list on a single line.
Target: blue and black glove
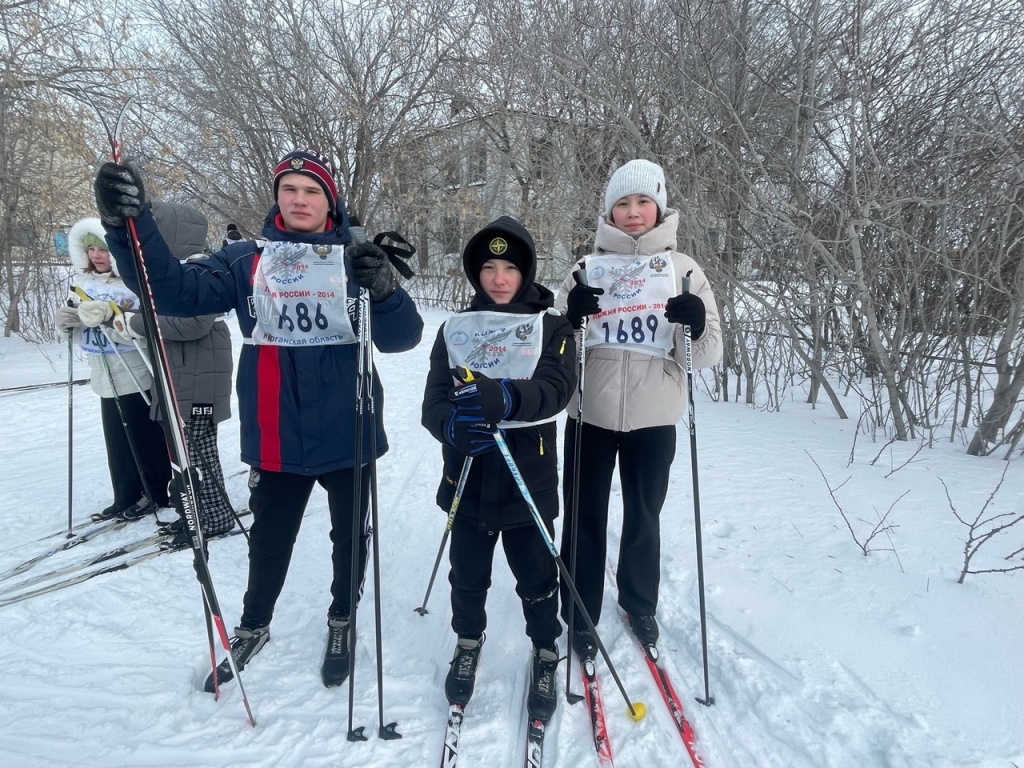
[(467, 434), (490, 400)]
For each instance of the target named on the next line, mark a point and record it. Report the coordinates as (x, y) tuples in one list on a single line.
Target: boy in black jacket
[(521, 354)]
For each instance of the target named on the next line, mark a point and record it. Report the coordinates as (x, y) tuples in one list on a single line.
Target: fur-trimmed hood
[(76, 246)]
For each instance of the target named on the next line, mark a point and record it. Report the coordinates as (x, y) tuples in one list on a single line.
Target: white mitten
[(67, 318), (122, 332), (95, 313), (122, 323)]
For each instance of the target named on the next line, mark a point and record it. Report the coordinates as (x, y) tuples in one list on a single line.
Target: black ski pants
[(147, 438), (471, 555), (278, 501), (645, 459)]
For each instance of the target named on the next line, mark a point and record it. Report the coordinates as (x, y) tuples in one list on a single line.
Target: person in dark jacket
[(201, 360), (520, 353), (297, 372)]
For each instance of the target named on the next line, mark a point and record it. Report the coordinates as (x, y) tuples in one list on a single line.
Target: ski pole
[(356, 734), (124, 423), (185, 480), (574, 511), (463, 476), (71, 430), (636, 709), (708, 700), (389, 731), (365, 405)]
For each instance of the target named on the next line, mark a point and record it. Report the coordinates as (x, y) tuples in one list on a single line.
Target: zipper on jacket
[(541, 445), (622, 388)]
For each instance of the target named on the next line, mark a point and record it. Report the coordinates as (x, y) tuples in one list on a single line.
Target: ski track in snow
[(819, 657)]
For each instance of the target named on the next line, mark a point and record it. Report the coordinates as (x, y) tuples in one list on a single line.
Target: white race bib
[(300, 296), (497, 344), (632, 313), (93, 340)]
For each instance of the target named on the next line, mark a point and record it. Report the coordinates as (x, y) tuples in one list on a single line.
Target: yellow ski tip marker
[(637, 711)]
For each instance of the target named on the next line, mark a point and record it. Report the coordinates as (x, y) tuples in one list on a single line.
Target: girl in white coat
[(136, 451), (635, 390)]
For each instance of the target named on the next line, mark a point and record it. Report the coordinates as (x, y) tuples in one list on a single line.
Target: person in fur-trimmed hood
[(520, 352), (635, 390), (136, 454), (201, 361)]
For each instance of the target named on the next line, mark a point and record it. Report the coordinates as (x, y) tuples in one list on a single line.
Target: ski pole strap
[(399, 250)]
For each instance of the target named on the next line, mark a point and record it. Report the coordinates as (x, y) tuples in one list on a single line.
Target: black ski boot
[(114, 510), (139, 510), (334, 671), (542, 700), (244, 645), (583, 643), (458, 685), (645, 628)]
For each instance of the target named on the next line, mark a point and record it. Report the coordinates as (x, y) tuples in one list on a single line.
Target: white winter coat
[(100, 381), (625, 390)]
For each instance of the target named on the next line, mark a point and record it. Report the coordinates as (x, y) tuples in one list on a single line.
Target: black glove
[(581, 302), (487, 399), (119, 194), (371, 269), (687, 309), (468, 434)]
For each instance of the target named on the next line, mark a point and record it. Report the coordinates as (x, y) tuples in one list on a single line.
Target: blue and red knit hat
[(312, 163)]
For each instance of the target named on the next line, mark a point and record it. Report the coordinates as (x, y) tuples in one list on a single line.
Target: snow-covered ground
[(819, 656)]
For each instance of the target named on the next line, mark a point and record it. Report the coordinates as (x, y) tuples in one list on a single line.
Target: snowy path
[(819, 657)]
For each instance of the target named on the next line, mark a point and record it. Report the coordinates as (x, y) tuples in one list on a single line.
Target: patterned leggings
[(215, 512)]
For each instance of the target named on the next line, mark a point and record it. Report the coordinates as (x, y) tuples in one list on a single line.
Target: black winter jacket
[(492, 499)]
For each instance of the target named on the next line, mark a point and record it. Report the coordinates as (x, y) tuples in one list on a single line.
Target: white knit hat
[(637, 177)]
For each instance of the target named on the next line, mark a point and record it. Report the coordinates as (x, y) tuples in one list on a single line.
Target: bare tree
[(43, 159)]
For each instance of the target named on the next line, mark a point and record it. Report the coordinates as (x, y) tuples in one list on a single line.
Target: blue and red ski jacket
[(297, 405)]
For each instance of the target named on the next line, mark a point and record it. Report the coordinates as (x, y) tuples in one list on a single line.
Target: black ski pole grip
[(686, 281)]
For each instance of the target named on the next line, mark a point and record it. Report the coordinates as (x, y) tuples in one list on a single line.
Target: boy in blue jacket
[(297, 372)]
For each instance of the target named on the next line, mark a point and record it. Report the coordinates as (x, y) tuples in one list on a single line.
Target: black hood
[(504, 238)]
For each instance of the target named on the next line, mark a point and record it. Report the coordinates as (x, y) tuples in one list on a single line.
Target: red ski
[(592, 695), (673, 702)]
